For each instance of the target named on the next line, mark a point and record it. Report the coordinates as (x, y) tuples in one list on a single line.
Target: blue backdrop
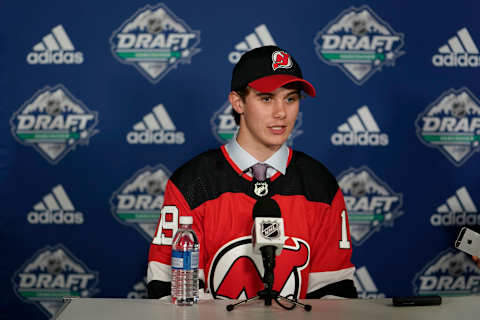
[(101, 101)]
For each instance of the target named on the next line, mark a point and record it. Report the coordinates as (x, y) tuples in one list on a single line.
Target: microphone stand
[(268, 294)]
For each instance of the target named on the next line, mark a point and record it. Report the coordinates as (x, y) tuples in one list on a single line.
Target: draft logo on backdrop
[(55, 208), (138, 202), (370, 202), (139, 290), (224, 126), (55, 48), (360, 129), (451, 124), (260, 37), (156, 127), (458, 210), (359, 43), (154, 40), (54, 122), (451, 273), (459, 51), (366, 288), (51, 274)]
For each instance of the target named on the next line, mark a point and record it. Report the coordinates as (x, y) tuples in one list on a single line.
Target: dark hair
[(243, 93)]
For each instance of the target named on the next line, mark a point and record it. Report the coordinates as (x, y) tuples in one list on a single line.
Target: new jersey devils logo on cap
[(281, 59)]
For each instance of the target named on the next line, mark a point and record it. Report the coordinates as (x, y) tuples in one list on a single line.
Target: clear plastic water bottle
[(185, 255)]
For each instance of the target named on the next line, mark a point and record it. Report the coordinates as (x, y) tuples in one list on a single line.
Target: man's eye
[(266, 99), (292, 99)]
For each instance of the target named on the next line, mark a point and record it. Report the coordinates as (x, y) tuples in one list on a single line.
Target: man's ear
[(236, 101)]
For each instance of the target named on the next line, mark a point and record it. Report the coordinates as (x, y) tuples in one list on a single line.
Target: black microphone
[(268, 235)]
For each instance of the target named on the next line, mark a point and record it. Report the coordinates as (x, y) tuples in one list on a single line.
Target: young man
[(218, 188)]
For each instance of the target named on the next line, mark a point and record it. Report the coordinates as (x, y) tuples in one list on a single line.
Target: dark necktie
[(259, 171)]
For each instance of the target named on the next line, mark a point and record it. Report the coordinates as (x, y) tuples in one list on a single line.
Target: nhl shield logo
[(261, 188), (270, 230)]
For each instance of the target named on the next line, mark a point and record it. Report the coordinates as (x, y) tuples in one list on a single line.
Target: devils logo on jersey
[(236, 272)]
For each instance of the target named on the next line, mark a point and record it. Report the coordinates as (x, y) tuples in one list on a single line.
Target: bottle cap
[(186, 220)]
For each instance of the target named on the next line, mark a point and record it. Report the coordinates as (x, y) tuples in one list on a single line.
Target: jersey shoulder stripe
[(210, 175)]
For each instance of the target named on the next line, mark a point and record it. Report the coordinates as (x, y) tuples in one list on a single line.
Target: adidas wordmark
[(460, 51), (361, 129), (55, 48), (55, 208)]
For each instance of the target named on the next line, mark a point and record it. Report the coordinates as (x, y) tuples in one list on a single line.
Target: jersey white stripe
[(455, 44), (466, 200), (317, 280), (368, 119), (63, 38), (467, 41), (62, 197), (354, 122)]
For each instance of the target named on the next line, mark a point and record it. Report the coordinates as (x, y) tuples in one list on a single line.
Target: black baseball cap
[(267, 68)]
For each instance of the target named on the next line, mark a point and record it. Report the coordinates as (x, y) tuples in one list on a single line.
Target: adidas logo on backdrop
[(55, 48), (156, 128), (460, 51), (361, 129), (55, 208), (261, 37), (366, 288), (459, 210)]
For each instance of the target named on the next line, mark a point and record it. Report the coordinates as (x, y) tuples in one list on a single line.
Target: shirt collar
[(245, 160)]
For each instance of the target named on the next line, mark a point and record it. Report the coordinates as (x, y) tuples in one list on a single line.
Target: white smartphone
[(468, 241)]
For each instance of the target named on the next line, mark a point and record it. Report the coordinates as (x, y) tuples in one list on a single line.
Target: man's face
[(267, 118)]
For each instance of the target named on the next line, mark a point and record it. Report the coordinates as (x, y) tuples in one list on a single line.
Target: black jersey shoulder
[(209, 175), (309, 177), (206, 177)]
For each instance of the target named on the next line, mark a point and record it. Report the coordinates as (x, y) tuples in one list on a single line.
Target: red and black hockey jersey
[(315, 260)]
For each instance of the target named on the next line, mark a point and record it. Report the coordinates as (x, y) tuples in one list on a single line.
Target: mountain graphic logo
[(358, 42), (459, 210), (138, 202), (450, 273), (224, 126), (156, 127), (371, 203), (459, 51), (55, 208), (52, 274), (154, 41), (366, 288), (54, 123), (55, 48), (260, 37), (361, 129), (451, 124)]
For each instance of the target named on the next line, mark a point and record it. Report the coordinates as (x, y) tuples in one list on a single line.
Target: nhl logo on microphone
[(270, 230), (261, 188)]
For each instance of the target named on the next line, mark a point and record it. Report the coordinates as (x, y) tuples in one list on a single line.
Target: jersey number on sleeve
[(344, 243), (163, 238)]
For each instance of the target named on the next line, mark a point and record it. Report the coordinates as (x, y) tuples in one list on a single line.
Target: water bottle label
[(184, 260), (177, 259)]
